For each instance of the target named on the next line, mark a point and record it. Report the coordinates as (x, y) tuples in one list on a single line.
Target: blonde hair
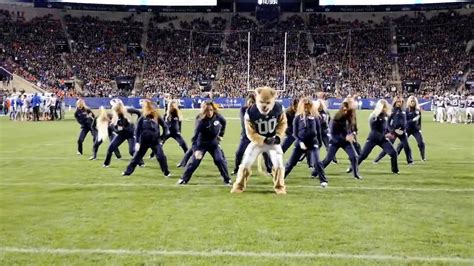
[(321, 104), (173, 105), (149, 110), (102, 124), (352, 102), (119, 109), (301, 110), (417, 105), (380, 107), (81, 104)]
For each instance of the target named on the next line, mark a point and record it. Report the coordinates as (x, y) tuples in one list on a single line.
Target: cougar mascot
[(265, 125)]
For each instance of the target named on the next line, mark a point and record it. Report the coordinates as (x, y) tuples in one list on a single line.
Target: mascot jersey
[(265, 125)]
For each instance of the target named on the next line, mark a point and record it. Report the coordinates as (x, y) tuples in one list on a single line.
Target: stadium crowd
[(189, 58)]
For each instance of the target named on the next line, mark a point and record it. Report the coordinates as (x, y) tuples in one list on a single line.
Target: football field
[(60, 208)]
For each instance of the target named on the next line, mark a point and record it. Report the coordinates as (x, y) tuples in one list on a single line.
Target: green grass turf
[(52, 198)]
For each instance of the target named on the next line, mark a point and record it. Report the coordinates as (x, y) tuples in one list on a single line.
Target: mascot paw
[(237, 189), (280, 191)]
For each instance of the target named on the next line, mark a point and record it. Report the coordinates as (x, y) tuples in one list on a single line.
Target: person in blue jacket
[(207, 136), (36, 103), (290, 116), (307, 133), (343, 136), (397, 125), (123, 127), (174, 122), (244, 141), (379, 134), (103, 119), (414, 125), (189, 153), (84, 116), (147, 133)]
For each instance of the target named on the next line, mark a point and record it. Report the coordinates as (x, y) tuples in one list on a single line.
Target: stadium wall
[(30, 12), (226, 103)]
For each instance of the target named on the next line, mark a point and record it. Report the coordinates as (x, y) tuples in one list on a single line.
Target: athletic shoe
[(358, 177), (179, 165), (168, 175), (125, 174), (92, 158), (181, 182), (324, 184), (78, 153), (349, 170), (228, 183), (105, 166), (234, 172)]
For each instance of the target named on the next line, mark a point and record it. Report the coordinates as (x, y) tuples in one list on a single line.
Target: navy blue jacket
[(223, 123), (84, 117), (207, 132), (134, 111), (325, 120), (148, 128), (265, 124), (174, 125), (290, 116), (243, 110), (340, 127), (123, 126), (307, 129), (413, 120), (397, 120), (378, 127)]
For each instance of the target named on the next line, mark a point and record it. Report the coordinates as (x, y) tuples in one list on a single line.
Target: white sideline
[(221, 253), (200, 185)]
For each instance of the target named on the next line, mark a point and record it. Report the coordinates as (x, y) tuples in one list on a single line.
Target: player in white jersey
[(44, 106), (440, 109), (461, 116), (433, 106), (469, 109), (451, 102)]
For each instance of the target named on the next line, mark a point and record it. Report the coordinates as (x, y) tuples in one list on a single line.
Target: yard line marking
[(201, 185), (222, 253)]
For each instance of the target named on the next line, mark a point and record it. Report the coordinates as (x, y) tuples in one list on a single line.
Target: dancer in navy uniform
[(414, 125), (147, 133), (84, 116), (343, 136), (290, 116), (123, 127), (174, 121), (379, 134), (308, 136), (244, 141), (397, 124), (189, 152), (325, 120), (103, 120), (207, 136)]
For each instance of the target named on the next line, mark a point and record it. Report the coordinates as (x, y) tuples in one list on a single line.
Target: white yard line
[(221, 253), (201, 185)]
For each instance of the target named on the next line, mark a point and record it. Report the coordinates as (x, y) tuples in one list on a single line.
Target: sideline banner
[(226, 103)]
